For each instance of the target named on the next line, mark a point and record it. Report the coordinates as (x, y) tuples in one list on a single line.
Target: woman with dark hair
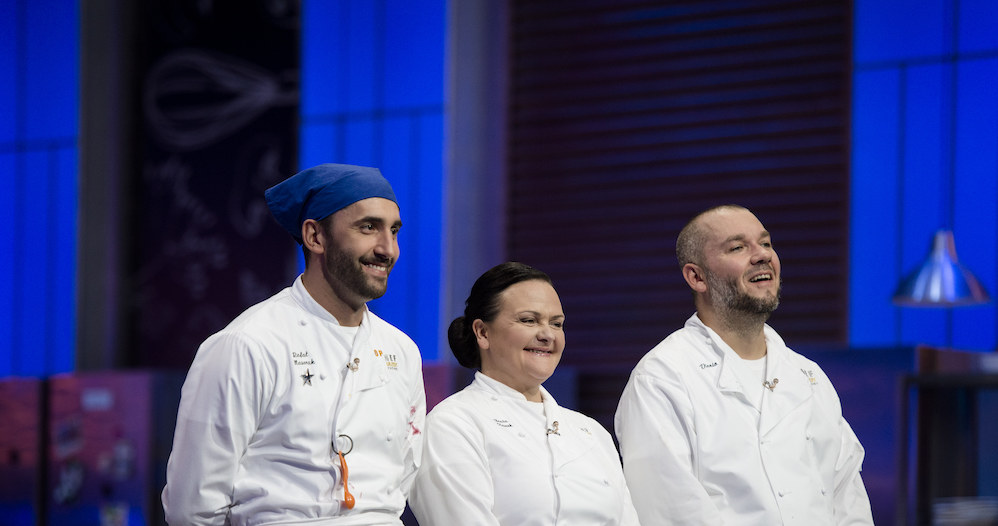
[(502, 451)]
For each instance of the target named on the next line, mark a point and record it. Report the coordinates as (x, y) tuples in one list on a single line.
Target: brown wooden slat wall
[(628, 117)]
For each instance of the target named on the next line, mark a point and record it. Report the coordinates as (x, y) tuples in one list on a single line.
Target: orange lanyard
[(348, 499)]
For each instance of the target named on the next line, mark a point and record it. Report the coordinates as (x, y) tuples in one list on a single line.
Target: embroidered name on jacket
[(302, 358)]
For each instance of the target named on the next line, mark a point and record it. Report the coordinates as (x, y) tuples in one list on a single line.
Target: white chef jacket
[(697, 451), (492, 457), (256, 420)]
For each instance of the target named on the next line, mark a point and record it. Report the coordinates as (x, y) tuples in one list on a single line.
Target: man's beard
[(350, 272), (728, 297)]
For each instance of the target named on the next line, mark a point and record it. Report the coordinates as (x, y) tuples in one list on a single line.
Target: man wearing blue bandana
[(307, 408)]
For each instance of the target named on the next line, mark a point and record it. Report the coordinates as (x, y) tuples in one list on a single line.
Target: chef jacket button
[(302, 323), (780, 493), (382, 378), (823, 492), (606, 482), (495, 398), (322, 376), (389, 437)]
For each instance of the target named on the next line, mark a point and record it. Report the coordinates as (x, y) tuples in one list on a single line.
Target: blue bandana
[(318, 192)]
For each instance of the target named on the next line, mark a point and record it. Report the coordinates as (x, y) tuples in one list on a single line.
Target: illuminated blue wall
[(373, 94), (924, 157), (38, 204)]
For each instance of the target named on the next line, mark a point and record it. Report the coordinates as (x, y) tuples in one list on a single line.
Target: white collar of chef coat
[(776, 349), (776, 352), (307, 302), (551, 408), (499, 388)]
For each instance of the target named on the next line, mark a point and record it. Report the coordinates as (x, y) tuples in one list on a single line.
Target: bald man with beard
[(721, 423)]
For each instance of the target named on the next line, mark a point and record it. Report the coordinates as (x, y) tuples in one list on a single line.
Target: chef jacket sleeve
[(453, 484), (417, 426), (852, 504), (628, 515), (654, 425), (219, 407)]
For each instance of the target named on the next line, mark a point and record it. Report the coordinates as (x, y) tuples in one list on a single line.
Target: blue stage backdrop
[(39, 52)]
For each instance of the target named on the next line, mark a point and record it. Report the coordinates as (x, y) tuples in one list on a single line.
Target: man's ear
[(312, 236), (695, 277), (481, 333)]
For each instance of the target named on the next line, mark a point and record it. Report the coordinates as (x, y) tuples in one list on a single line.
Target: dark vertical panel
[(628, 117), (219, 99)]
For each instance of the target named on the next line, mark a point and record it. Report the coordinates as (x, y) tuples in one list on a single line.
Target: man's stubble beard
[(350, 272), (727, 297)]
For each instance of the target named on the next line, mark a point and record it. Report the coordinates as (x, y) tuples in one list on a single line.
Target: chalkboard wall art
[(218, 125)]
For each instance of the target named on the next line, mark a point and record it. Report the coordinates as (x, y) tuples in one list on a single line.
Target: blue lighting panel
[(977, 26), (62, 281), (976, 198), (52, 72), (31, 276), (890, 30), (876, 129), (415, 39), (7, 300), (940, 60), (317, 144), (362, 43), (10, 77), (429, 266), (360, 141), (321, 63), (38, 161)]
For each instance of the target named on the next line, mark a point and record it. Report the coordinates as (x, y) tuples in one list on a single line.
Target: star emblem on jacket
[(307, 378)]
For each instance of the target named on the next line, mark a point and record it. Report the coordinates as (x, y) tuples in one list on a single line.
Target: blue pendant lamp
[(940, 281)]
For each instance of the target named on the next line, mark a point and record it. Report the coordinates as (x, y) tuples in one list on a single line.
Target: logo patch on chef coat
[(391, 360), (810, 376)]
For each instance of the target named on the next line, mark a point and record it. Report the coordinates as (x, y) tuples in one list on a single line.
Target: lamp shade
[(940, 281)]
